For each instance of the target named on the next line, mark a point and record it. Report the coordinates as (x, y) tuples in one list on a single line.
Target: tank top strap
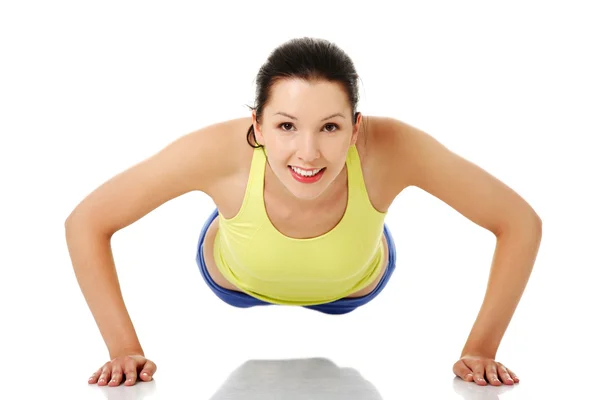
[(256, 179), (357, 190)]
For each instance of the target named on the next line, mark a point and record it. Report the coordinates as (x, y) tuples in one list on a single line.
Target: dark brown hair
[(305, 58)]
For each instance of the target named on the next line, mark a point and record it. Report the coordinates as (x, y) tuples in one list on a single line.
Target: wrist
[(126, 351), (478, 352)]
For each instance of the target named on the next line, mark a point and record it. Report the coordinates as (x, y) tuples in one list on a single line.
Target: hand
[(112, 372), (477, 369)]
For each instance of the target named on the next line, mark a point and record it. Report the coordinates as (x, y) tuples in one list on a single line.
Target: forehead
[(299, 96)]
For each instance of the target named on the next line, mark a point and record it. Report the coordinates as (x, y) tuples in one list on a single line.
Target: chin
[(305, 194), (305, 191)]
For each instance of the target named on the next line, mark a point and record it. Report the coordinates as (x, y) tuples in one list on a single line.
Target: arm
[(94, 269), (190, 163), (486, 201), (514, 257)]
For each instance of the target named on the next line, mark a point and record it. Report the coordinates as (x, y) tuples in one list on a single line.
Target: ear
[(356, 128), (257, 129)]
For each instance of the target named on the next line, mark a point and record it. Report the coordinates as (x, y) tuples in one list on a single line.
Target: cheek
[(277, 156), (336, 156), (281, 151)]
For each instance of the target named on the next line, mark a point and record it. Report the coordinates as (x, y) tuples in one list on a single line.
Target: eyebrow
[(294, 118)]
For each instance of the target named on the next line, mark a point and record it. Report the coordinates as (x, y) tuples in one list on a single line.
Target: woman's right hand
[(112, 372)]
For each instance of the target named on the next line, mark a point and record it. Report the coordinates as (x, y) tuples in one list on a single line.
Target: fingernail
[(145, 374)]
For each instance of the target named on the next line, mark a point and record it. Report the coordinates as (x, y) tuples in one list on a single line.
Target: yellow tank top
[(262, 262)]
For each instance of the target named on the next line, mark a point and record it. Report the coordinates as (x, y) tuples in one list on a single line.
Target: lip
[(307, 179)]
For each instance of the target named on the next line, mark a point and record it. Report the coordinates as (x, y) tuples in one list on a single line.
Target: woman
[(301, 188)]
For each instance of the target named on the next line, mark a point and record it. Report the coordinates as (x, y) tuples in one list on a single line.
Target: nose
[(308, 148)]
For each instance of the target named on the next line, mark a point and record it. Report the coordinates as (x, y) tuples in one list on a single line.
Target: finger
[(513, 375), (492, 374), (504, 375), (478, 374), (105, 375), (130, 371), (117, 375), (95, 375), (148, 371), (462, 371)]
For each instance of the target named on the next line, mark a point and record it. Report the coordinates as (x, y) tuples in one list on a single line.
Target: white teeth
[(306, 173)]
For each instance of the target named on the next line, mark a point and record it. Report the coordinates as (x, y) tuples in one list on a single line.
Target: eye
[(284, 124), (334, 125)]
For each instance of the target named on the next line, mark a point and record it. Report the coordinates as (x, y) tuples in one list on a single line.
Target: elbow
[(79, 221), (529, 223), (537, 222), (72, 220), (68, 221)]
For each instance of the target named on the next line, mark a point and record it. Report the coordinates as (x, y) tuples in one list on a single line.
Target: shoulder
[(396, 156), (398, 150), (407, 156), (216, 152), (201, 160), (384, 146)]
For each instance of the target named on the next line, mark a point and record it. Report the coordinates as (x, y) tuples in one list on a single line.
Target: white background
[(87, 89)]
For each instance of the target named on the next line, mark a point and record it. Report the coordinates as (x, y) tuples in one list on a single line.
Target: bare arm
[(190, 163), (94, 267), (491, 204)]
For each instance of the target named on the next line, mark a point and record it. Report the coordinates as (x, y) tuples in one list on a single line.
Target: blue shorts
[(340, 306)]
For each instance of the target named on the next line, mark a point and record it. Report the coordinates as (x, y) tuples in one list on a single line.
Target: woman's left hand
[(477, 369)]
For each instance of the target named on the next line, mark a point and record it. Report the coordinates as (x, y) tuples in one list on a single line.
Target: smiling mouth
[(306, 176), (305, 172)]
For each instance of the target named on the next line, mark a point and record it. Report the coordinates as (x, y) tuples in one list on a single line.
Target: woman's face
[(306, 130)]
